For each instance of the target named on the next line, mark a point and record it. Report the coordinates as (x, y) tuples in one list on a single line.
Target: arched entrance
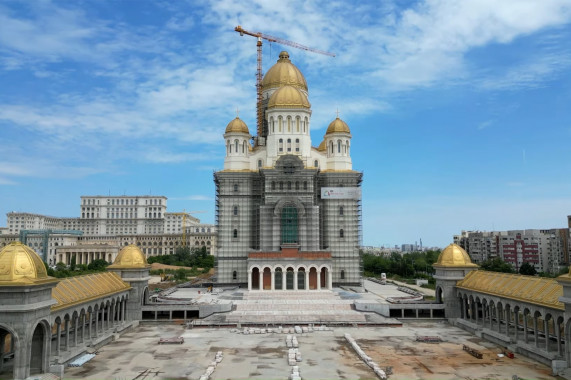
[(312, 278), (324, 274), (289, 278), (37, 354), (255, 278), (267, 279), (278, 279), (7, 353), (301, 285), (439, 298)]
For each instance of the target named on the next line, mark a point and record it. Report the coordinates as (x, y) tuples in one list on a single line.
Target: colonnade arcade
[(536, 328), (289, 277)]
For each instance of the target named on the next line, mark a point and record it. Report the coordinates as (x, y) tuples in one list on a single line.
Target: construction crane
[(184, 216), (259, 75)]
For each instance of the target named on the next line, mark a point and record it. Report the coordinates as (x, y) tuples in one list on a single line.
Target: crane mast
[(259, 74)]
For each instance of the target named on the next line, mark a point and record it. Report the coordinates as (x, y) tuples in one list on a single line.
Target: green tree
[(60, 267), (497, 265), (72, 264), (527, 269), (180, 274), (98, 265)]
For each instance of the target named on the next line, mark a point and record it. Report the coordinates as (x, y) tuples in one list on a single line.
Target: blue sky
[(460, 110)]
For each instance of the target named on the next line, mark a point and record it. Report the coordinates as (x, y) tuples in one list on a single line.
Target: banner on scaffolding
[(340, 193)]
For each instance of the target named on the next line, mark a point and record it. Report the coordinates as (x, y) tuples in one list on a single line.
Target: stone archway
[(255, 278), (290, 278), (8, 353), (38, 350), (312, 278), (324, 274), (267, 279), (301, 284), (278, 279)]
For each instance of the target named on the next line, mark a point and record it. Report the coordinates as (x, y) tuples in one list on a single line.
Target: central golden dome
[(454, 256), (20, 265), (288, 97), (284, 73), (337, 126), (130, 256), (237, 125)]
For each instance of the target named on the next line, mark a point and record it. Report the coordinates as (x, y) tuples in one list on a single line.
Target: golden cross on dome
[(337, 112), (237, 112)]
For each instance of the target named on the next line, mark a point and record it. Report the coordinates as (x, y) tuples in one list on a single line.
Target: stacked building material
[(374, 366)]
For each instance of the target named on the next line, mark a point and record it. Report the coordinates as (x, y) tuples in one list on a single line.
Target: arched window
[(281, 185), (236, 146), (235, 187), (280, 120), (341, 233), (235, 210), (340, 210), (243, 146), (297, 145), (259, 163), (273, 185), (235, 233), (289, 185), (272, 123), (289, 145), (338, 146), (234, 275), (331, 146), (297, 185), (316, 164), (304, 185), (297, 124), (281, 145), (289, 225), (342, 274), (289, 123)]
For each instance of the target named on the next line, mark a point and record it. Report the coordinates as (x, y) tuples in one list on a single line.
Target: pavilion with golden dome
[(45, 321), (288, 211)]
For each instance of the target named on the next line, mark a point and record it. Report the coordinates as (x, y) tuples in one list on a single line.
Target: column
[(96, 323), (516, 324), (58, 338), (75, 331), (476, 311), (2, 343), (249, 280), (294, 280), (89, 325), (329, 280), (557, 327), (273, 279), (431, 313), (66, 335), (307, 280), (508, 314), (524, 327), (490, 310), (125, 310), (319, 280), (261, 280), (546, 331), (535, 331), (465, 308), (284, 283), (499, 313)]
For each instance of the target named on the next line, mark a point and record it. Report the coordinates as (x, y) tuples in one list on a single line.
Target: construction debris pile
[(280, 330), (293, 356), (374, 366), (212, 366)]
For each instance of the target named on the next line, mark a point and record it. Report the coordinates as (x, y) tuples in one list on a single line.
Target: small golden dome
[(20, 265), (288, 97), (322, 147), (338, 126), (130, 256), (237, 125), (284, 73), (454, 256)]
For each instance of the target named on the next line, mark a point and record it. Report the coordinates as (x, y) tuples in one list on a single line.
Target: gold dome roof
[(454, 256), (130, 256), (237, 125), (288, 97), (322, 147), (338, 126), (284, 73), (20, 265)]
